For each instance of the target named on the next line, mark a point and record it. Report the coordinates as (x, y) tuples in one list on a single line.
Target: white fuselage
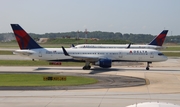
[(56, 54), (117, 46)]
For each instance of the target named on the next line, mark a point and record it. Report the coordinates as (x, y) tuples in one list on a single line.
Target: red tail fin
[(23, 39), (159, 40)]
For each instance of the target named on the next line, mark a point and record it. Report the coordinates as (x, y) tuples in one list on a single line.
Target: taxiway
[(164, 79), (164, 87)]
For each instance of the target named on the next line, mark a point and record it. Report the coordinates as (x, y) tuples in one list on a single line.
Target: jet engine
[(104, 63)]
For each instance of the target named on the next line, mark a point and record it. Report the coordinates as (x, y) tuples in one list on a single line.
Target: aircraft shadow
[(151, 69), (96, 70), (91, 71), (68, 68)]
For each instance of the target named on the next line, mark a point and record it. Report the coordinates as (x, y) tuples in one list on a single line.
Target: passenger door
[(120, 55), (151, 55), (40, 53)]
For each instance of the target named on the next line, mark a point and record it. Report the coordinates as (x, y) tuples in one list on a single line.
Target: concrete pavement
[(164, 86)]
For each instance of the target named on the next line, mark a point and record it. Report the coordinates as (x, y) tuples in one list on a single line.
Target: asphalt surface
[(164, 87), (164, 79), (104, 81)]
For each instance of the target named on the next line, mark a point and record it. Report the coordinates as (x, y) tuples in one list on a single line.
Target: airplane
[(154, 104), (100, 57), (156, 43)]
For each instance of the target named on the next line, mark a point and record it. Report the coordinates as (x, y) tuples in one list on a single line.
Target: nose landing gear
[(147, 67)]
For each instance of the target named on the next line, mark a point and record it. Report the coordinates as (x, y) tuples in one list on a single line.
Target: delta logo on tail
[(23, 39), (159, 40)]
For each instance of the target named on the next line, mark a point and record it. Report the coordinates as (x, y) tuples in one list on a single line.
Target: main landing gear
[(87, 66), (147, 68)]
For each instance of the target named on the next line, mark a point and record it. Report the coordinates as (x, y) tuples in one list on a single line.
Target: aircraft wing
[(77, 57), (85, 58), (23, 52)]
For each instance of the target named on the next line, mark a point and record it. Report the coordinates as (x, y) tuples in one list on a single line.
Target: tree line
[(134, 38)]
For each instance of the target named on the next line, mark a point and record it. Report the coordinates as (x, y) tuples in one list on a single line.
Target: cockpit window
[(160, 54)]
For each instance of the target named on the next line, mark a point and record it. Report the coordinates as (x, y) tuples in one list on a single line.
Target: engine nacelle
[(104, 63)]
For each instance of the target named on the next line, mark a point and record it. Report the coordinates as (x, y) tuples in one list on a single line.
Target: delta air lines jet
[(156, 43), (101, 57)]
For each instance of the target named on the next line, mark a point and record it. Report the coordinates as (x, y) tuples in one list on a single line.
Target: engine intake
[(104, 63)]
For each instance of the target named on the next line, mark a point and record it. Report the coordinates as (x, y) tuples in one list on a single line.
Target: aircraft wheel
[(86, 67), (89, 67), (147, 68)]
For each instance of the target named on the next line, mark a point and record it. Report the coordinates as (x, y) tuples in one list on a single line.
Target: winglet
[(73, 45), (159, 40), (23, 39), (129, 45), (65, 52)]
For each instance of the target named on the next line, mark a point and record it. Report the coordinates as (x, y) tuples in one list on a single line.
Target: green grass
[(172, 54), (6, 52), (46, 45), (37, 80), (35, 63), (7, 45), (172, 48)]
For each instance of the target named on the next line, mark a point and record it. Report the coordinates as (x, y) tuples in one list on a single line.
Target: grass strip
[(171, 48), (172, 54), (6, 53), (37, 80)]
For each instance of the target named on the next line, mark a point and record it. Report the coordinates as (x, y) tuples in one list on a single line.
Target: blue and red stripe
[(159, 40), (23, 39)]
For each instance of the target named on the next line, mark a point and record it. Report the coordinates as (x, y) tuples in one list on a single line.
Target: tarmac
[(163, 77)]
